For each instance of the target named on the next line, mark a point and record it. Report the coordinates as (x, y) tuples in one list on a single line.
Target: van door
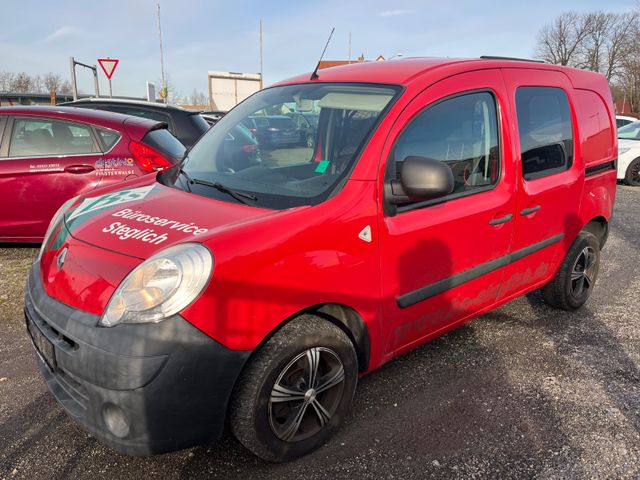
[(43, 163), (441, 259), (549, 175)]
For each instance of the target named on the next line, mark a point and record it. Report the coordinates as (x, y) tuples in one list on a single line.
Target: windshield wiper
[(238, 195)]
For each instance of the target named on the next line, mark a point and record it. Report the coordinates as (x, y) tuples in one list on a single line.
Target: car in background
[(187, 126), (307, 124), (629, 154), (51, 154), (238, 151), (273, 131), (622, 120)]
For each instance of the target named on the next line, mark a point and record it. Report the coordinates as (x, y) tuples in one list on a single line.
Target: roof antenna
[(314, 75)]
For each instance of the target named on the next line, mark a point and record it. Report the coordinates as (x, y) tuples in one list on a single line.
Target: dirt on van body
[(524, 391)]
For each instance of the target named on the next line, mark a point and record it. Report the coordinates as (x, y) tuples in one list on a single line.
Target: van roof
[(404, 71)]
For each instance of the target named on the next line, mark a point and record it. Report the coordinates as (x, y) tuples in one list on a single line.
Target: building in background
[(227, 89)]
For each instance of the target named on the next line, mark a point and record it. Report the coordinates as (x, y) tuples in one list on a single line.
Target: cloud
[(62, 32), (393, 13)]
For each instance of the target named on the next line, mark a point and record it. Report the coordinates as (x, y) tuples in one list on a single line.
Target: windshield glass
[(630, 131), (260, 148)]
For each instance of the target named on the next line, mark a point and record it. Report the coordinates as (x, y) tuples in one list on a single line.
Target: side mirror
[(421, 178)]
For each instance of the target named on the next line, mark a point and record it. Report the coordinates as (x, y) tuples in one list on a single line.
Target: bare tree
[(6, 81), (22, 83), (560, 42), (52, 82), (198, 98), (622, 40), (65, 88)]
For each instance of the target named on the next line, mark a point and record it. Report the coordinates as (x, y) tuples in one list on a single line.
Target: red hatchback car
[(50, 154), (220, 292)]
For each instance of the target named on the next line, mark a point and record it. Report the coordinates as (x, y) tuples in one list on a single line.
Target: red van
[(256, 294), (50, 154)]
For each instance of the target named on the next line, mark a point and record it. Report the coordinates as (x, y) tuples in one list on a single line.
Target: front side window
[(33, 137), (461, 132), (546, 135), (259, 149)]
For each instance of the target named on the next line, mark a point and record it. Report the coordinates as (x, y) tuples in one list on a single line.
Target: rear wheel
[(296, 390), (576, 277), (632, 177)]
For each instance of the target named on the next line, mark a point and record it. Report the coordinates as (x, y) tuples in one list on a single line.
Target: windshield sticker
[(124, 231), (92, 204), (322, 166)]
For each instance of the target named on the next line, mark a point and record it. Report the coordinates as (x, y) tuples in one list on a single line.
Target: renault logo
[(61, 256)]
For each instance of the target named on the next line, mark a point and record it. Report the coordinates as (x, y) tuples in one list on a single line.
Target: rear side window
[(463, 133), (108, 137), (546, 135), (162, 140), (46, 137)]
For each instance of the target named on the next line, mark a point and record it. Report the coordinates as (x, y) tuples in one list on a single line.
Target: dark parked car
[(307, 124), (186, 126), (273, 131), (51, 154)]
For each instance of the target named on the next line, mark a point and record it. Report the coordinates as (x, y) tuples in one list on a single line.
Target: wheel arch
[(598, 226)]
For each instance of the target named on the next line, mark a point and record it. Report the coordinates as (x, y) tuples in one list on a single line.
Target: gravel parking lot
[(524, 391)]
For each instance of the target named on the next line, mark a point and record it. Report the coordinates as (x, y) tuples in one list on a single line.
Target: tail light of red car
[(147, 158)]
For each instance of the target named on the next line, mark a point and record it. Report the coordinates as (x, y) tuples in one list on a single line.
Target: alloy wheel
[(306, 394)]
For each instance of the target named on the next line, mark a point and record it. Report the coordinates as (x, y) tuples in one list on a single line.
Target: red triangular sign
[(108, 66)]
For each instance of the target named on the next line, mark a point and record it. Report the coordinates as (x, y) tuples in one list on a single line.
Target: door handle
[(530, 210), (501, 220), (79, 169)]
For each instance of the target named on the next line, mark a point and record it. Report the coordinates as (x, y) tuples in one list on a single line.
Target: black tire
[(632, 175), (260, 415), (576, 277)]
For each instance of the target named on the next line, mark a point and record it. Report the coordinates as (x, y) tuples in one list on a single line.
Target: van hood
[(143, 219)]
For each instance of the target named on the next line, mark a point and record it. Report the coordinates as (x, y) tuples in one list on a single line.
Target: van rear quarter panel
[(598, 145)]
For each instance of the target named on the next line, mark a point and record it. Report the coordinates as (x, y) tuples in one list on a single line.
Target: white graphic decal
[(124, 231), (92, 204), (365, 234)]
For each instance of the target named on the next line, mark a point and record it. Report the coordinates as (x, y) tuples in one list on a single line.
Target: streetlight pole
[(164, 83)]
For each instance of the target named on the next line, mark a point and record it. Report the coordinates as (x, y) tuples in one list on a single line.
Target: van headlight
[(55, 222), (161, 286)]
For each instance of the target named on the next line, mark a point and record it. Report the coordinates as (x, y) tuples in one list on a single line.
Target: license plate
[(43, 346)]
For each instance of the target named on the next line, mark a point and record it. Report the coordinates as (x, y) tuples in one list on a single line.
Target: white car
[(629, 154), (622, 120)]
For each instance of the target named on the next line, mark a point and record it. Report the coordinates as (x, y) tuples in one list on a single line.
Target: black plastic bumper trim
[(171, 381), (433, 289)]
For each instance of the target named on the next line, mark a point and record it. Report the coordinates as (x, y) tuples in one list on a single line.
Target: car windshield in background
[(630, 131), (257, 148)]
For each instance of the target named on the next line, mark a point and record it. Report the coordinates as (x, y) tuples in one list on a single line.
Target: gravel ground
[(524, 391)]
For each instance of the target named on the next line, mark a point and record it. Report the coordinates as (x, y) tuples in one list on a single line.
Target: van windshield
[(260, 149)]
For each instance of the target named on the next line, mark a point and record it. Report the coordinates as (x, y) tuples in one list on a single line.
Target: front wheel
[(296, 391), (576, 277), (632, 176)]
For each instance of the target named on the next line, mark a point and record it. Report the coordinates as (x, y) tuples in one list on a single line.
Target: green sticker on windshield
[(322, 166)]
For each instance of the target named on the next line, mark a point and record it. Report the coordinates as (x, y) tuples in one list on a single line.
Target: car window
[(546, 135), (44, 137), (162, 140), (109, 137), (139, 112), (630, 131), (461, 132)]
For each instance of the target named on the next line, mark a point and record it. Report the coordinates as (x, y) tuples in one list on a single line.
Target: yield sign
[(108, 66)]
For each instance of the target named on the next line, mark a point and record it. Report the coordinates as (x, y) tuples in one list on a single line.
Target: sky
[(39, 36)]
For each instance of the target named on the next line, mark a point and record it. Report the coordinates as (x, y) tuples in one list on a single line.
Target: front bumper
[(142, 389)]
